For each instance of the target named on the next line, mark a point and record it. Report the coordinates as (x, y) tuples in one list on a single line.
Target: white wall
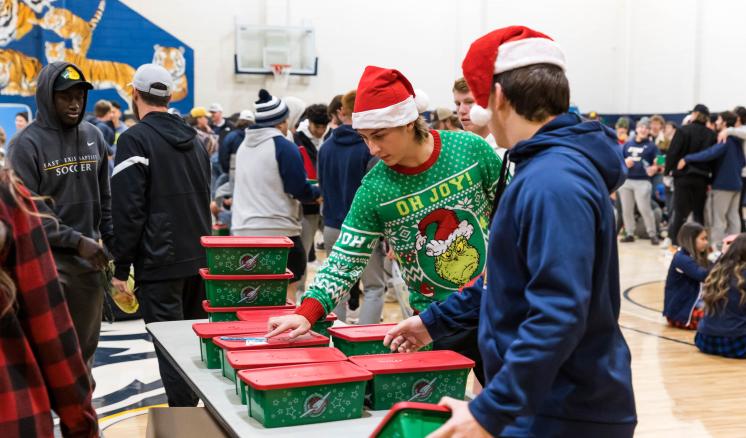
[(624, 56)]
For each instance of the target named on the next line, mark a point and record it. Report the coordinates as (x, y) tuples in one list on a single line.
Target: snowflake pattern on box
[(247, 261), (385, 390), (436, 221), (246, 293)]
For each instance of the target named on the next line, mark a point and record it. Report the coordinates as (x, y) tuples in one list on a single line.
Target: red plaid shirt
[(41, 367)]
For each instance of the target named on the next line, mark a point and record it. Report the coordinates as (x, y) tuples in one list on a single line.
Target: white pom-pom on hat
[(422, 100), (479, 116)]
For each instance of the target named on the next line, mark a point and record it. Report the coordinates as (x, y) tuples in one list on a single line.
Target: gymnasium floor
[(679, 391)]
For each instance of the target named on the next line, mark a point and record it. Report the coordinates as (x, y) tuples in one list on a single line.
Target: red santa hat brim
[(398, 114)]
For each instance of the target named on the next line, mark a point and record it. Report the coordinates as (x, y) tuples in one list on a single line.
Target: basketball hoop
[(281, 72)]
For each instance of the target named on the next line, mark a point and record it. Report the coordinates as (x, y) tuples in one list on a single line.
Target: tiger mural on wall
[(39, 5), (18, 73), (102, 74), (16, 20), (173, 60), (71, 27)]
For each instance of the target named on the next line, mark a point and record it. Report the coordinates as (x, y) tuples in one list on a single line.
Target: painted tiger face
[(54, 51), (8, 20), (170, 58)]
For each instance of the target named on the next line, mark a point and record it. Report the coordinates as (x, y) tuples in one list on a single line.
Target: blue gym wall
[(122, 35)]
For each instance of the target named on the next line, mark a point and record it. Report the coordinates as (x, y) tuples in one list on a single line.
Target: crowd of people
[(440, 197)]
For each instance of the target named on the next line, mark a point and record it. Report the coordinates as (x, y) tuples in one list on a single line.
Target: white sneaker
[(353, 316), (666, 243)]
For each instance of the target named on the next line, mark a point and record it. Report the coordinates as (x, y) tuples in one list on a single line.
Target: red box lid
[(227, 328), (361, 333), (407, 406), (294, 376), (420, 361), (205, 274), (264, 313), (247, 359), (245, 242), (207, 308), (310, 339)]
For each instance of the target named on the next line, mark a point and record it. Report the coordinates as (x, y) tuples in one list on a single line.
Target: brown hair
[(461, 86), (658, 118), (102, 108), (421, 130), (348, 102), (537, 91), (335, 105), (152, 99), (687, 239), (701, 118), (717, 284)]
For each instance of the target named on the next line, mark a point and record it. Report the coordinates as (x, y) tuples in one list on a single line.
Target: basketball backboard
[(260, 47)]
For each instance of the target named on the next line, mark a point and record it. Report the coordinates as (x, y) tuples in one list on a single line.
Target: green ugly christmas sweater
[(435, 216)]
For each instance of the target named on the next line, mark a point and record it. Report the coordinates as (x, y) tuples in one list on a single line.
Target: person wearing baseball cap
[(218, 123), (690, 183), (161, 207), (64, 159), (556, 362), (430, 197)]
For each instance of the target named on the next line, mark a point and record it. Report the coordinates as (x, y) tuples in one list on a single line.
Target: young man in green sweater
[(430, 198)]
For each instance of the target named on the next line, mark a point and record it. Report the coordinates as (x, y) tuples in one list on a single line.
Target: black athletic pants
[(690, 193)]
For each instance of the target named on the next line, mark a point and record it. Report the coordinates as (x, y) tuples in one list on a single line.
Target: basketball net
[(281, 73)]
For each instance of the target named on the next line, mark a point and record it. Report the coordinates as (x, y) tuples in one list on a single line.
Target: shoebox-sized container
[(305, 394), (263, 314), (239, 255), (209, 352), (257, 341), (254, 359), (411, 420), (355, 340), (246, 290), (223, 314), (423, 376)]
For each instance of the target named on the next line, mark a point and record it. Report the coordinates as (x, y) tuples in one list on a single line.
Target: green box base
[(364, 348), (228, 261), (222, 316), (210, 354), (413, 424), (322, 327), (246, 293), (385, 390), (295, 406)]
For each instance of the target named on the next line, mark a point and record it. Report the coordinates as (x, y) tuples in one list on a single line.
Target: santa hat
[(502, 50), (385, 99), (449, 228)]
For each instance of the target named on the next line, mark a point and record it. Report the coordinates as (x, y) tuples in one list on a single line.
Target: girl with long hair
[(688, 270)]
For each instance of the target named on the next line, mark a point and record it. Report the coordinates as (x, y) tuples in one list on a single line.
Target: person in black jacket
[(689, 183), (161, 205)]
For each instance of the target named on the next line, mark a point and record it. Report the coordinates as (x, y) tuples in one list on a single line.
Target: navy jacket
[(729, 321), (229, 147), (682, 287), (342, 163), (555, 359), (728, 160), (644, 154)]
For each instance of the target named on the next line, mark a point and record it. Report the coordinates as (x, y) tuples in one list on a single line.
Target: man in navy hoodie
[(728, 160), (555, 360)]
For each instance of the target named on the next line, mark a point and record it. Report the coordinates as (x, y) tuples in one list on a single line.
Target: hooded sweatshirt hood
[(172, 129), (344, 135), (592, 139), (46, 113), (255, 136)]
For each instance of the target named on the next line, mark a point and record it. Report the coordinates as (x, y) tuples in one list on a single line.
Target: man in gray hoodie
[(63, 159)]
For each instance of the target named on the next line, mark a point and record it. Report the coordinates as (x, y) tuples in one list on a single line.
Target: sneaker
[(353, 316), (654, 241), (666, 243), (627, 239)]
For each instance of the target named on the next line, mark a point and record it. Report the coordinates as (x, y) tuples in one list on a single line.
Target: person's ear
[(498, 98)]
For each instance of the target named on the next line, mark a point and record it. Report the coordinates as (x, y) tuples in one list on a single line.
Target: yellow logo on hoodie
[(71, 73)]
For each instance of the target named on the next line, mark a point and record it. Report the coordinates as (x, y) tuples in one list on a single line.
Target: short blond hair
[(461, 86)]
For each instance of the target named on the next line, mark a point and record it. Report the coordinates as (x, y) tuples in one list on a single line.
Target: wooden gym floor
[(679, 391)]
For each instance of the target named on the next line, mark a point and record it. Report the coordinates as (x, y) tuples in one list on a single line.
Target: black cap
[(70, 77), (702, 109)]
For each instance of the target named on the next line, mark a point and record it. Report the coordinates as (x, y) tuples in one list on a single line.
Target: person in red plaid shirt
[(41, 366)]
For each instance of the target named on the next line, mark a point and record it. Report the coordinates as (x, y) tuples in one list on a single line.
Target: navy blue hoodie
[(728, 162), (555, 359), (682, 287), (342, 163)]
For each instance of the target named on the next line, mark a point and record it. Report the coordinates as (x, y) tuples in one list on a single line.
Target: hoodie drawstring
[(77, 150), (501, 183)]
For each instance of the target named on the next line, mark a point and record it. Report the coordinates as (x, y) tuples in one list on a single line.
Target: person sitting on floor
[(722, 330), (688, 270)]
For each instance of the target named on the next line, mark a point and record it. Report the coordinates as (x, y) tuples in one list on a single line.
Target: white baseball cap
[(215, 107), (247, 115), (148, 75)]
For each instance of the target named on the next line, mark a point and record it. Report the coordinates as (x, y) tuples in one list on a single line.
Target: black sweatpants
[(464, 342), (690, 194), (172, 300)]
